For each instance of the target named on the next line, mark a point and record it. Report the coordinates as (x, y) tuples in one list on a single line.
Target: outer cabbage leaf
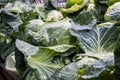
[(86, 67), (16, 23), (10, 63), (98, 59), (7, 16), (109, 2), (11, 19), (3, 1), (40, 59), (117, 59), (34, 25), (75, 7), (53, 33), (72, 2), (98, 39), (2, 43), (2, 39), (72, 9), (19, 7), (6, 46), (88, 16)]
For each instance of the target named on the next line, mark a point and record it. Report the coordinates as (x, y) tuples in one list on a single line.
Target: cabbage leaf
[(40, 59), (98, 58)]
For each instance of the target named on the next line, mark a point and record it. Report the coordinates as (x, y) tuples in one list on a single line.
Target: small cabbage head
[(113, 12), (54, 15)]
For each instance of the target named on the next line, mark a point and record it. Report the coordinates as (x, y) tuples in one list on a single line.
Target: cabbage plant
[(112, 12), (60, 40)]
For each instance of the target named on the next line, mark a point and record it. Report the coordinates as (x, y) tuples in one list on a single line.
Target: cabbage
[(113, 12), (54, 15)]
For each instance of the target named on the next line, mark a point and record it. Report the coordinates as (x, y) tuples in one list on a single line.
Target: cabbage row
[(60, 40)]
